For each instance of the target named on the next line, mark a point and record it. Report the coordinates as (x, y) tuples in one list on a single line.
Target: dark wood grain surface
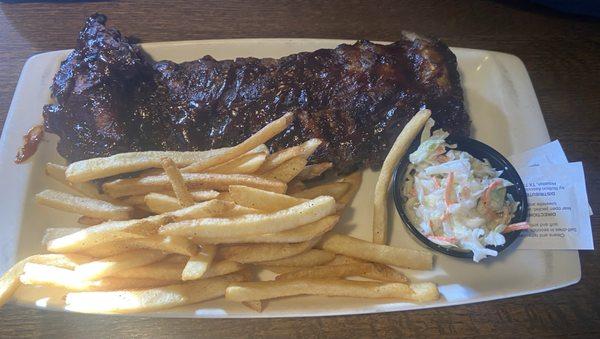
[(561, 53)]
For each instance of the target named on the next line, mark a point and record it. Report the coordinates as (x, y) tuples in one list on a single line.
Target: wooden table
[(562, 55)]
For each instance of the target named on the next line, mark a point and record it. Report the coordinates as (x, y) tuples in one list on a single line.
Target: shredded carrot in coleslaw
[(457, 200)]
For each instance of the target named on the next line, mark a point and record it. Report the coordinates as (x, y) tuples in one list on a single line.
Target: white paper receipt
[(558, 204)]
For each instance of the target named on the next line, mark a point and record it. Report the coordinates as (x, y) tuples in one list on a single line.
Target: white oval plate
[(505, 114)]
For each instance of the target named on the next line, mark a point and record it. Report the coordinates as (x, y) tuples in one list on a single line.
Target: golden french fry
[(248, 291), (9, 281), (314, 171), (354, 179), (171, 268), (124, 187), (344, 260), (177, 183), (161, 270), (166, 201), (85, 206), (198, 195), (313, 257), (383, 272), (244, 164), (222, 267), (262, 200), (58, 232), (374, 271), (46, 275), (304, 150), (357, 248), (238, 210), (131, 229), (107, 266), (110, 249), (199, 263), (96, 168), (253, 224), (286, 171), (57, 172), (399, 148), (256, 305), (252, 253), (145, 300), (168, 244), (328, 271), (258, 138), (89, 221), (334, 189), (298, 234)]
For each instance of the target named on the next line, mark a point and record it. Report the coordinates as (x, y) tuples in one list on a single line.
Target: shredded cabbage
[(454, 199)]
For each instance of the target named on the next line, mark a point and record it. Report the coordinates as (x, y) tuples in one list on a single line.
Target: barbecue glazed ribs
[(111, 98)]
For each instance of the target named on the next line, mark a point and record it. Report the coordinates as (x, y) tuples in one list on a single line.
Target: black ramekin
[(480, 151)]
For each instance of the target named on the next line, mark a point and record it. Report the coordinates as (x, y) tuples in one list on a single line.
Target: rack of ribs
[(109, 97)]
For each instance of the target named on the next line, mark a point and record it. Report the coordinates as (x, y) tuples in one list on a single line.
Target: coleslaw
[(456, 200)]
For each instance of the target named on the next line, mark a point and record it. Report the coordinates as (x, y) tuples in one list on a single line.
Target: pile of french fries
[(185, 227)]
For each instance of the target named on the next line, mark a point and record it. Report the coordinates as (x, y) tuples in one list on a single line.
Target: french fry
[(368, 270), (344, 260), (399, 148), (57, 172), (258, 138), (9, 281), (124, 187), (96, 168), (198, 195), (379, 272), (168, 244), (169, 269), (383, 272), (354, 179), (314, 171), (244, 164), (357, 248), (89, 221), (177, 183), (85, 206), (46, 275), (328, 271), (254, 224), (309, 258), (161, 203), (91, 236), (304, 150), (334, 189), (286, 171), (132, 229), (248, 291), (107, 266), (256, 305), (166, 201), (238, 210), (298, 234), (110, 249), (161, 270), (199, 263), (145, 300), (252, 253), (262, 200)]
